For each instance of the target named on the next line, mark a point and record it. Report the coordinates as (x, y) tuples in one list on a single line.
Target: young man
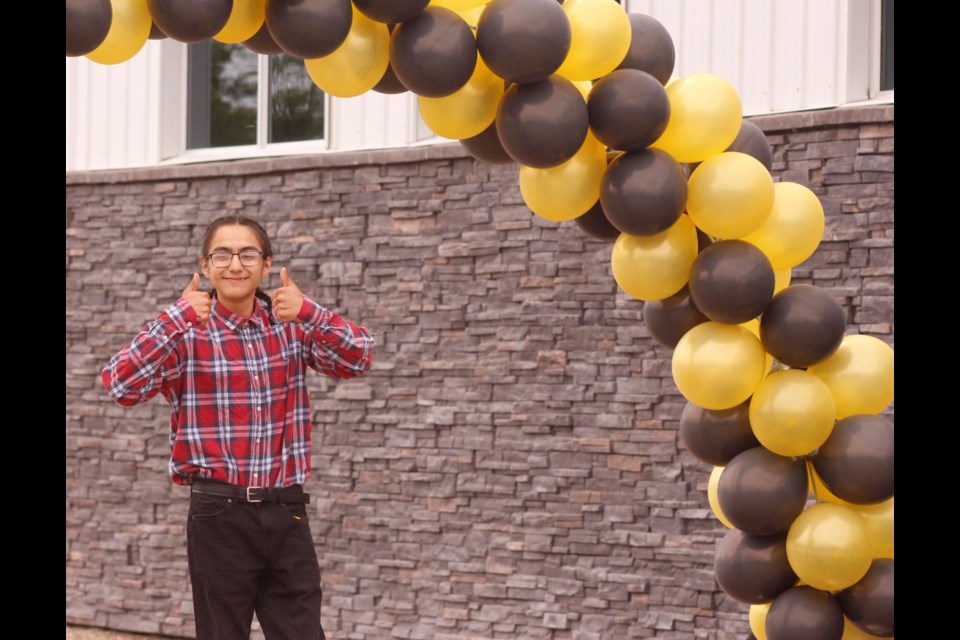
[(232, 365)]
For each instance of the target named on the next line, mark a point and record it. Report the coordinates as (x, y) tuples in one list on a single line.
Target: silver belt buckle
[(249, 489)]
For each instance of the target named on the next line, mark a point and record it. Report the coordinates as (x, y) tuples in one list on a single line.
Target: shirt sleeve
[(336, 347), (151, 361)]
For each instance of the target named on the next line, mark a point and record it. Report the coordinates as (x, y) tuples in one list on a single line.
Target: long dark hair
[(258, 231)]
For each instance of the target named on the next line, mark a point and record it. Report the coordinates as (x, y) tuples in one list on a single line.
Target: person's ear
[(267, 263), (204, 269)]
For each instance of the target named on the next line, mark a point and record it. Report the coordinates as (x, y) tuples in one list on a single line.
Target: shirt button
[(189, 324), (250, 345), (259, 409)]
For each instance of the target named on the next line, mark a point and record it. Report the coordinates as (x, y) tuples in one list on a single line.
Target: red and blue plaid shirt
[(237, 389)]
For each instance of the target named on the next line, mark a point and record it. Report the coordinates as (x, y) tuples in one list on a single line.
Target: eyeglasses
[(248, 258)]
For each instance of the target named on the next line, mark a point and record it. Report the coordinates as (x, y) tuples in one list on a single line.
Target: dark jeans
[(247, 557)]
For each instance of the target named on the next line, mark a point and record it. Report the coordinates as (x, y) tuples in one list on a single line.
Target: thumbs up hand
[(287, 300), (199, 300)]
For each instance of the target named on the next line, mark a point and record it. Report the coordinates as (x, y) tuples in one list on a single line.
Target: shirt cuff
[(311, 313), (181, 315)]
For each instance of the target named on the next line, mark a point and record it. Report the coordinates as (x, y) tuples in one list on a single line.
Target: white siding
[(781, 55), (372, 120), (113, 111)]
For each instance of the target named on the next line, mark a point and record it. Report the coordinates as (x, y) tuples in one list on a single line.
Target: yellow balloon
[(655, 267), (712, 486), (705, 115), (758, 620), (472, 15), (829, 547), (600, 36), (819, 491), (458, 5), (245, 20), (792, 413), (753, 326), (730, 195), (879, 519), (468, 110), (853, 632), (584, 86), (781, 280), (718, 366), (357, 65), (859, 374), (128, 32), (794, 228), (568, 190)]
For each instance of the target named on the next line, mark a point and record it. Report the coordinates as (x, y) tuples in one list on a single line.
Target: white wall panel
[(371, 121), (781, 55), (113, 111)]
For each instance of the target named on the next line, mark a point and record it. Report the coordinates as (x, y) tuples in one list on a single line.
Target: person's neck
[(243, 308)]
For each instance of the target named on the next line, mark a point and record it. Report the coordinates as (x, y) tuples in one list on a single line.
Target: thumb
[(285, 278), (194, 284)]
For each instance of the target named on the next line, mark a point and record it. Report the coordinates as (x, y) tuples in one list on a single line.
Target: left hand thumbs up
[(287, 300)]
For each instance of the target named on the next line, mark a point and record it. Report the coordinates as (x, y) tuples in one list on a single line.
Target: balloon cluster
[(581, 96)]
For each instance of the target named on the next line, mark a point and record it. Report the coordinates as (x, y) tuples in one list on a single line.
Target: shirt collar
[(261, 318)]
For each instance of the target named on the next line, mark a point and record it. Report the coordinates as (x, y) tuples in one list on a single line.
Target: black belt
[(251, 494)]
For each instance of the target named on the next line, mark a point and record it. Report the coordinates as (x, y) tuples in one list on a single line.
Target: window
[(236, 97)]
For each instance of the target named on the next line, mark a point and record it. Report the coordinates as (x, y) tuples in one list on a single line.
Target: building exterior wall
[(784, 55), (510, 467)]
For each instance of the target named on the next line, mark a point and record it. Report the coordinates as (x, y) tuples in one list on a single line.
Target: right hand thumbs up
[(199, 300)]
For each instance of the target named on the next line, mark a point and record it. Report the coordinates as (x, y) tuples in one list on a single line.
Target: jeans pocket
[(297, 510), (205, 507)]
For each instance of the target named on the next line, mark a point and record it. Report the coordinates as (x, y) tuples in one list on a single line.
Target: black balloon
[(802, 326), (869, 603), (753, 569), (523, 40), (651, 48), (762, 493), (88, 22), (594, 223), (309, 28), (643, 192), (628, 109), (716, 436), (753, 142), (732, 281), (486, 146), (156, 33), (391, 11), (669, 319), (703, 241), (263, 43), (856, 461), (433, 54), (804, 613), (542, 124), (389, 83), (190, 20)]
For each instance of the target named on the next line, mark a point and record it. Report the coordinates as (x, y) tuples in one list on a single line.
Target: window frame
[(175, 136)]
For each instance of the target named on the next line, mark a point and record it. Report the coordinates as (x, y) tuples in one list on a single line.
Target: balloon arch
[(581, 96)]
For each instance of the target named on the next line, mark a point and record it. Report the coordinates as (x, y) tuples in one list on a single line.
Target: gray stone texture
[(510, 467)]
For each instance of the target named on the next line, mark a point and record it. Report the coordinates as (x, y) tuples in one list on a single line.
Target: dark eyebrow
[(246, 248)]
